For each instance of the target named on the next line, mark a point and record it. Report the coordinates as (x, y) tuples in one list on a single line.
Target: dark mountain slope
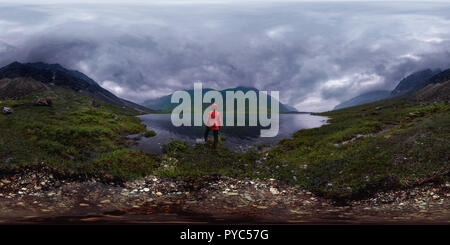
[(407, 85), (56, 75), (413, 81), (13, 88), (437, 88)]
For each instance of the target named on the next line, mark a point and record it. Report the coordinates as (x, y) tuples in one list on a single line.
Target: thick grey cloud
[(315, 54)]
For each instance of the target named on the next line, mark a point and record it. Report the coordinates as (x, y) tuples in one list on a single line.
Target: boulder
[(43, 102), (7, 110)]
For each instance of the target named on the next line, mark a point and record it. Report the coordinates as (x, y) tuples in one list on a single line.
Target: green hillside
[(73, 135)]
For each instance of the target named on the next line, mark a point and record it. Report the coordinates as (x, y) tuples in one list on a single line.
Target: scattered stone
[(5, 181), (7, 110), (274, 191), (231, 193)]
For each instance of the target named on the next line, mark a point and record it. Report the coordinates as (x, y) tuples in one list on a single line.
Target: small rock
[(274, 191), (248, 197), (5, 181), (7, 110), (231, 193)]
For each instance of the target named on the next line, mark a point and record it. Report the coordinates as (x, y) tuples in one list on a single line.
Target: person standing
[(213, 122)]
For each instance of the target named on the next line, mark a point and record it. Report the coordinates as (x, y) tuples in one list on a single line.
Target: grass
[(364, 149), (71, 135), (395, 146), (201, 161), (124, 164)]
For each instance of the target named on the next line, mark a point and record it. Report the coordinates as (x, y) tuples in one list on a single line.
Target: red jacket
[(214, 120)]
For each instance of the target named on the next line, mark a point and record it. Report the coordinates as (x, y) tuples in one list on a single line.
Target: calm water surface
[(237, 138)]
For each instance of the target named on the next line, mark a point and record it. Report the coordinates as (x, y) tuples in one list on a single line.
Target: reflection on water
[(237, 138)]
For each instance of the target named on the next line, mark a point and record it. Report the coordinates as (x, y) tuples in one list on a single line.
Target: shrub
[(149, 133), (125, 164)]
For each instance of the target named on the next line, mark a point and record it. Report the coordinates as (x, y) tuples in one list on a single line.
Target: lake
[(238, 139)]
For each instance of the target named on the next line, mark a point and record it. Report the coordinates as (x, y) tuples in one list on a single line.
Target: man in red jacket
[(213, 121)]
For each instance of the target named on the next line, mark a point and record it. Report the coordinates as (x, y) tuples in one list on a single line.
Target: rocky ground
[(42, 197)]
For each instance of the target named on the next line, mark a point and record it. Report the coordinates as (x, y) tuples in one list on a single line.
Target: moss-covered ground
[(73, 135)]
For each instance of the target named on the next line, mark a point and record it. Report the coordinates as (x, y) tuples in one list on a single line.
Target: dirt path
[(33, 197)]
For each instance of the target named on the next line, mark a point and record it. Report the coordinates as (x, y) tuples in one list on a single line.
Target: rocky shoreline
[(33, 196)]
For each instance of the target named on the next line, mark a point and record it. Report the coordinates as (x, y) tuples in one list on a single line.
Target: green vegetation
[(364, 149), (124, 164), (388, 144), (149, 133), (182, 161), (71, 135)]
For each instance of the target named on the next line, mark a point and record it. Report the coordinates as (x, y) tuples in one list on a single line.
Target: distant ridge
[(163, 103), (364, 99), (407, 85)]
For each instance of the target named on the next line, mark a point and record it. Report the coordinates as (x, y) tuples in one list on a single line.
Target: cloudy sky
[(316, 54)]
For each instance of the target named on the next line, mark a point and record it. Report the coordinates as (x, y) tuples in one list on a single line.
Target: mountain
[(14, 88), (18, 79), (413, 81), (163, 103), (364, 98), (409, 84), (437, 88)]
